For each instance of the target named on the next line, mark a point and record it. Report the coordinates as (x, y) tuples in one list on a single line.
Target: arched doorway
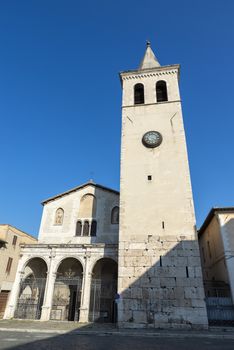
[(67, 291), (103, 290), (32, 289)]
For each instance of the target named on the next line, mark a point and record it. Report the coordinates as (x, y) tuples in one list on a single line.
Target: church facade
[(71, 274), (145, 270)]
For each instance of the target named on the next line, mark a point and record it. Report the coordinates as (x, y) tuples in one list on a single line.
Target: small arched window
[(139, 97), (58, 220), (161, 91), (86, 228), (78, 228), (115, 215), (93, 231)]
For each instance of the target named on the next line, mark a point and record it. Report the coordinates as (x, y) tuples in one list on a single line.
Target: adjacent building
[(216, 241), (10, 240)]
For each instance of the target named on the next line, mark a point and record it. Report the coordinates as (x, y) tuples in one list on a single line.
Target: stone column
[(85, 295), (12, 302), (49, 290)]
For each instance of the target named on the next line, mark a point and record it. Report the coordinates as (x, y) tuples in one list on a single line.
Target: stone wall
[(160, 280)]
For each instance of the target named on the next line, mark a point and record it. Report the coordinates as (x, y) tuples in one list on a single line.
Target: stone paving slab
[(63, 327), (51, 325)]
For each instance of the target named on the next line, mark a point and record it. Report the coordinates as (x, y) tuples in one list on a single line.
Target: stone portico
[(53, 255)]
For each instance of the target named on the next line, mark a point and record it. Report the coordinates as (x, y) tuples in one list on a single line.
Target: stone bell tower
[(160, 279)]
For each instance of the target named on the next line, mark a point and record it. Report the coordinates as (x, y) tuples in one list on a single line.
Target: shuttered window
[(14, 240), (9, 263)]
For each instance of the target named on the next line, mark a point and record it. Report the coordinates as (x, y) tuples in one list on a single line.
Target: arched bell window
[(161, 91), (59, 214), (93, 231), (115, 215), (78, 228), (139, 97), (86, 228)]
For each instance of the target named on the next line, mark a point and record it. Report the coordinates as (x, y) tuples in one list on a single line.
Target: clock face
[(152, 139)]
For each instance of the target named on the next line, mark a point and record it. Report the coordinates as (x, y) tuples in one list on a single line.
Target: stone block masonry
[(161, 287)]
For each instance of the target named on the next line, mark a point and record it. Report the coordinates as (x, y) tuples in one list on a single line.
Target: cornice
[(147, 73), (210, 216), (64, 245), (90, 183), (150, 104)]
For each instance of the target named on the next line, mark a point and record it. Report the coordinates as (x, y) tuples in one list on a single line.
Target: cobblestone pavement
[(74, 341)]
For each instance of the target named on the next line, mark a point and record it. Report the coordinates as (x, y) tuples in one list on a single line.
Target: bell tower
[(160, 279)]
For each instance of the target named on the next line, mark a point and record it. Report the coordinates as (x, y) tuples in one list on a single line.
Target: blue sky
[(60, 95)]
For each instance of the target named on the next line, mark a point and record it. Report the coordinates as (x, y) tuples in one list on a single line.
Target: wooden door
[(3, 301)]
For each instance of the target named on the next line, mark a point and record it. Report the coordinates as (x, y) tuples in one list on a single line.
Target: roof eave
[(211, 215), (77, 189), (148, 70)]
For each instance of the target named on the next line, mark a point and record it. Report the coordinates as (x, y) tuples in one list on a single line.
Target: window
[(59, 216), (139, 94), (9, 263), (93, 228), (115, 215), (78, 228), (161, 91), (14, 240), (86, 229)]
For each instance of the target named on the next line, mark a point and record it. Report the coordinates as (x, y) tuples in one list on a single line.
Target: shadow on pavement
[(100, 337)]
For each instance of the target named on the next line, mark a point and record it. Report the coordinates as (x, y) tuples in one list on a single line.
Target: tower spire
[(149, 60)]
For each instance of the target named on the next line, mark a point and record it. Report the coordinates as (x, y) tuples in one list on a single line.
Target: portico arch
[(32, 289), (103, 290), (67, 290)]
